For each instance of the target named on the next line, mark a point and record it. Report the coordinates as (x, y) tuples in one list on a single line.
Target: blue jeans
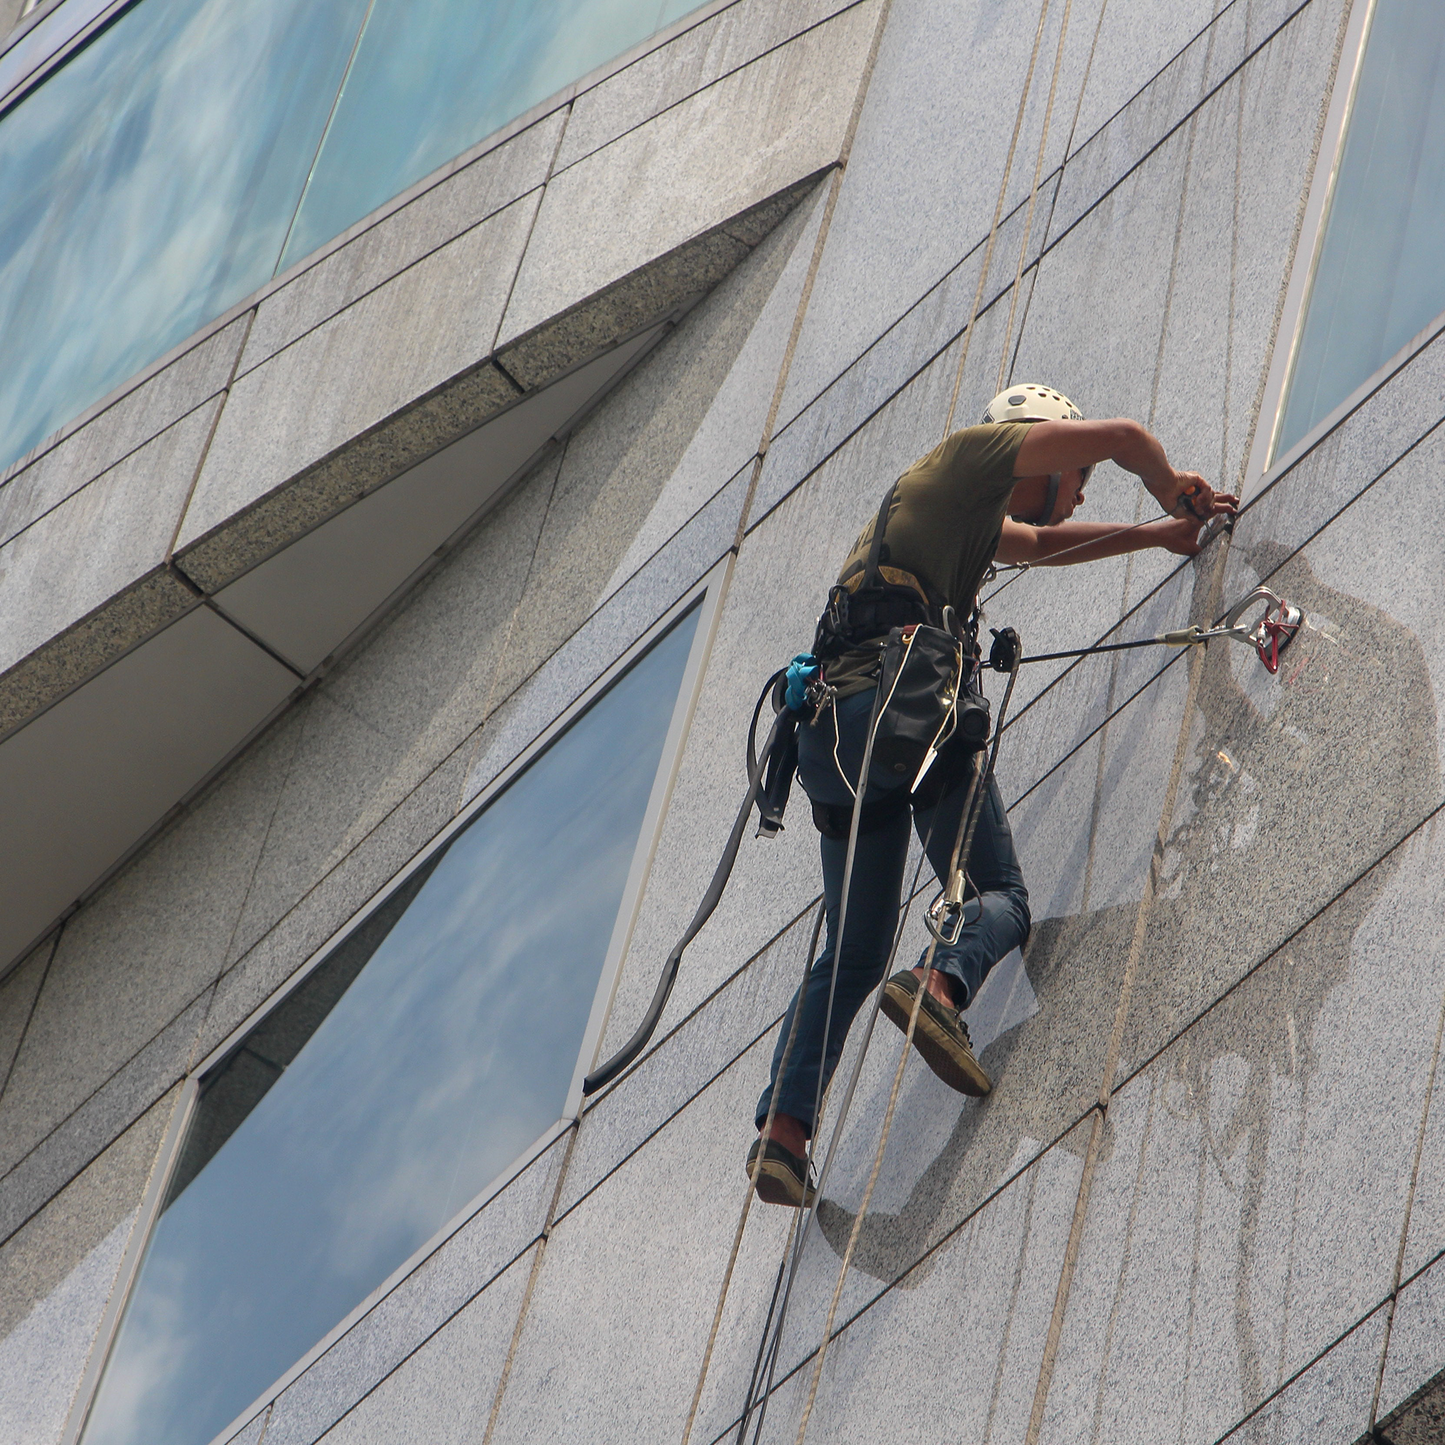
[(1001, 924)]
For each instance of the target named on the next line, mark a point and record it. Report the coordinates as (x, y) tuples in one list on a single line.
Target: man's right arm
[(1060, 446)]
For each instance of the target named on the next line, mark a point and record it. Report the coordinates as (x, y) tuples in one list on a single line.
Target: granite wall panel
[(1249, 1202), (1329, 1403), (667, 75), (953, 1350), (675, 177)]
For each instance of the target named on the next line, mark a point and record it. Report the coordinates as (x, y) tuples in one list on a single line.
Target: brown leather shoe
[(782, 1176), (940, 1035)]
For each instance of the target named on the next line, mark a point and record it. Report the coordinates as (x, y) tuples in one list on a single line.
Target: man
[(1002, 491)]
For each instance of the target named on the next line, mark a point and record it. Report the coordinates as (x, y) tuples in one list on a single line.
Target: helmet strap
[(1050, 497)]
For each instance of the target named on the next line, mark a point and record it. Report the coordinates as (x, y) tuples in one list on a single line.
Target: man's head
[(1032, 402)]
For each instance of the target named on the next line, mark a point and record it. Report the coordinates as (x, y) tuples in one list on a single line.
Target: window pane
[(413, 1066), (147, 186), (432, 77), (1379, 279)]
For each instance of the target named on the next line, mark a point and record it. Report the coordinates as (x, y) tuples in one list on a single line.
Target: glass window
[(171, 166), (1379, 280), (423, 1056)]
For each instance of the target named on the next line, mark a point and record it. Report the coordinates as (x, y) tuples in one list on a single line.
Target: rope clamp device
[(1271, 634), (945, 916)]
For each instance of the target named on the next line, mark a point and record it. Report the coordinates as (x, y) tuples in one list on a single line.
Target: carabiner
[(946, 915)]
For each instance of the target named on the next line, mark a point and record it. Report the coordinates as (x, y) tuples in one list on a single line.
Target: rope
[(1003, 365), (880, 704), (997, 217), (962, 847), (797, 1241), (752, 1184)]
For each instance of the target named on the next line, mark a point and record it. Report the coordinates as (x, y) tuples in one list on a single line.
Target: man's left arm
[(1067, 543)]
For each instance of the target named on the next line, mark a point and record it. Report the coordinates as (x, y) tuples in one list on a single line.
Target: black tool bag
[(923, 669)]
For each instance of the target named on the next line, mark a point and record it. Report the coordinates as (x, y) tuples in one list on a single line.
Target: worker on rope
[(1001, 491)]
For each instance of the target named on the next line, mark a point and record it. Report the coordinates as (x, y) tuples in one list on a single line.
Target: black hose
[(604, 1075), (1097, 647)]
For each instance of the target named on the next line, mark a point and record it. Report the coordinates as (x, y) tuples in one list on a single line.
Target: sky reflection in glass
[(148, 185), (1379, 278), (154, 180), (450, 1052)]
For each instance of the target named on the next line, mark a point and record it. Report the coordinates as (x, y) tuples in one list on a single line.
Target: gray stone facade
[(686, 322)]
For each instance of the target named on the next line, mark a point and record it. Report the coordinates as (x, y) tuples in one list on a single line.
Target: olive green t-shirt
[(944, 524)]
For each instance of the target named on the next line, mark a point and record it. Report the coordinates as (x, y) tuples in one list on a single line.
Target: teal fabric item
[(801, 671)]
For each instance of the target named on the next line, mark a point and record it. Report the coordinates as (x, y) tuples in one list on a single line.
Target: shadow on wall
[(1292, 785)]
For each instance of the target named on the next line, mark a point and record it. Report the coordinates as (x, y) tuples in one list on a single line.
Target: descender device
[(1271, 632)]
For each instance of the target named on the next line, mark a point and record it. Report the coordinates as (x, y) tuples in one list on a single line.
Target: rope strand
[(997, 217)]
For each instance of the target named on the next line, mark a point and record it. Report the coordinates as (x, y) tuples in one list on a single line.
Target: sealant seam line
[(54, 943), (524, 1307), (1033, 265), (472, 743), (224, 396), (531, 228)]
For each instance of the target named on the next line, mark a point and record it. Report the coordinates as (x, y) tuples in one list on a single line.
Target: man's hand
[(1175, 534), (1196, 501)]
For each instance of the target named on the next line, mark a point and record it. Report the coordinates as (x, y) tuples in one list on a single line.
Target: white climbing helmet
[(1030, 402)]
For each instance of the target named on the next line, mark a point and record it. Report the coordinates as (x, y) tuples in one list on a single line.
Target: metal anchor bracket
[(1271, 633)]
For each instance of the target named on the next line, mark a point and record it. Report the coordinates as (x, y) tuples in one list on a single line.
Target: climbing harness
[(1269, 635)]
